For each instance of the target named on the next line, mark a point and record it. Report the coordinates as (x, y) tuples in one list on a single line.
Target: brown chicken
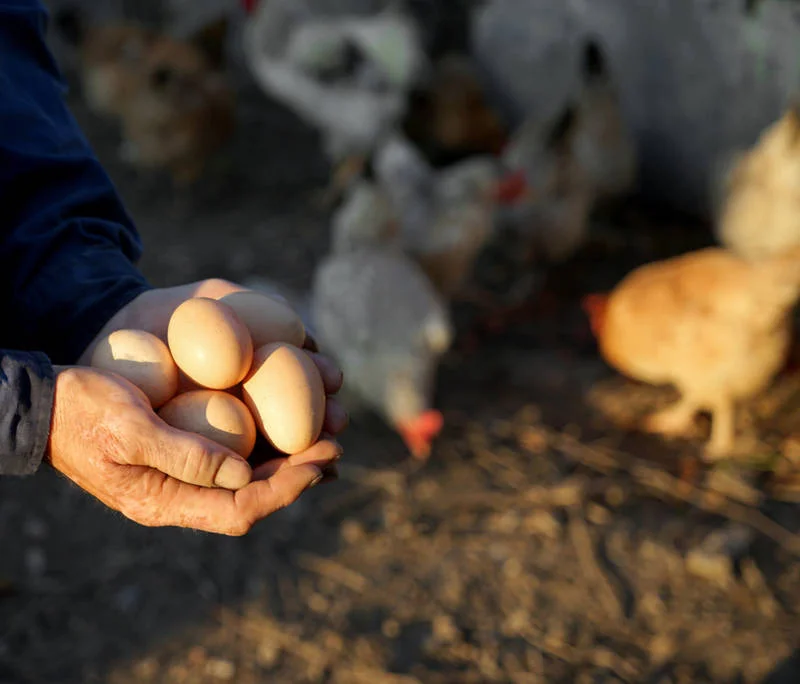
[(714, 325), (182, 112), (174, 105), (450, 117)]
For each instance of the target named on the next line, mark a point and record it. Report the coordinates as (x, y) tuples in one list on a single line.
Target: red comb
[(419, 433), (511, 187), (249, 5)]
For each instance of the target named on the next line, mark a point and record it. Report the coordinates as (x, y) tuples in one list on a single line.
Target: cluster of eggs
[(229, 367)]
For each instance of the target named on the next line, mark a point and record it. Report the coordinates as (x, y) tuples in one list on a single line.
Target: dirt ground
[(540, 543)]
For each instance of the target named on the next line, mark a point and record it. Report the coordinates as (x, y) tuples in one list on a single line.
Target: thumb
[(194, 459)]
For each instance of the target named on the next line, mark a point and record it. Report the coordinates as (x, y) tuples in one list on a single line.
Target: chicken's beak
[(511, 188), (418, 433)]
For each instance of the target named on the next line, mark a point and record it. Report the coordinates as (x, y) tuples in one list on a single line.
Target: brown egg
[(267, 319), (219, 416), (209, 343), (287, 397), (142, 359)]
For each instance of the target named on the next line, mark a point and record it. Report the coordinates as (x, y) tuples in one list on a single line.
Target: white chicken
[(348, 75), (445, 216), (759, 211), (378, 315)]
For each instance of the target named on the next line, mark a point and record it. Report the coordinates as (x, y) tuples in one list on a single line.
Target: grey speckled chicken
[(377, 314), (445, 216)]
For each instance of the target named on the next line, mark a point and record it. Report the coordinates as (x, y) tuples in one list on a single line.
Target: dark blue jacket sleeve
[(26, 405), (67, 246)]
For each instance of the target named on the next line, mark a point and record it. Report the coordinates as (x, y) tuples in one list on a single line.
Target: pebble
[(542, 523), (221, 669), (445, 630)]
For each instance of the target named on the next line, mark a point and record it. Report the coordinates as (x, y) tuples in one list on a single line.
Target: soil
[(542, 541)]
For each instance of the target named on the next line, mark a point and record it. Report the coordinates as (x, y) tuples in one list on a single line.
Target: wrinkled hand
[(107, 439)]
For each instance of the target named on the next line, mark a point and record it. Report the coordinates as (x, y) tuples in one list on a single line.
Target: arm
[(67, 245)]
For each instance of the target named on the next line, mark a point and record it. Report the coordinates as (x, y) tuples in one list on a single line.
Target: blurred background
[(512, 527)]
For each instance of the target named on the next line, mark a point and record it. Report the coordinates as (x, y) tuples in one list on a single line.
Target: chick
[(378, 315), (347, 75), (714, 325), (182, 113), (445, 216), (759, 212)]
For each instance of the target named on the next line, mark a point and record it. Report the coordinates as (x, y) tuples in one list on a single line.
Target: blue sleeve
[(26, 405), (67, 245)]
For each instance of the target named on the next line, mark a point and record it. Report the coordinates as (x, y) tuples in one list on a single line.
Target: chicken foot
[(723, 430), (677, 420)]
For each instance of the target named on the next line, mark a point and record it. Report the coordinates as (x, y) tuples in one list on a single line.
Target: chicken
[(377, 314), (759, 201), (348, 75), (450, 118), (182, 114), (364, 219), (174, 105), (110, 56), (603, 143), (547, 195), (714, 325), (445, 216)]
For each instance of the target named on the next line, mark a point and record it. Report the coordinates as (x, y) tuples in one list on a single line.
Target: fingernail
[(316, 481), (233, 474)]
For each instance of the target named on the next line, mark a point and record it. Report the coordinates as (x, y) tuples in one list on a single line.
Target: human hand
[(106, 438), (152, 310)]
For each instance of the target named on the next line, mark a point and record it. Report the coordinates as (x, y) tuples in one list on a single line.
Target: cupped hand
[(152, 310), (106, 439)]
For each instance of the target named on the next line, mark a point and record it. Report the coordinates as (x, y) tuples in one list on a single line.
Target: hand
[(106, 439), (152, 310)]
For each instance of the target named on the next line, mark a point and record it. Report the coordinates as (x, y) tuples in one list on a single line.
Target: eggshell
[(140, 358), (217, 415), (210, 344), (286, 395), (267, 319)]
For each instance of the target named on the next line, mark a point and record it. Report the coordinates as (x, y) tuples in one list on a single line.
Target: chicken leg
[(723, 430)]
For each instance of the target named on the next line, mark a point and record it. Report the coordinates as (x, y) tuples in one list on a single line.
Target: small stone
[(533, 440), (268, 654), (597, 514), (390, 628), (714, 557), (504, 522), (615, 496), (445, 630), (352, 531), (516, 623), (662, 649), (542, 523), (221, 669), (318, 603)]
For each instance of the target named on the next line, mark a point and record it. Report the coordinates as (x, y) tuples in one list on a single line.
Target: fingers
[(332, 376), (322, 454), (310, 343), (217, 510), (336, 418), (192, 459)]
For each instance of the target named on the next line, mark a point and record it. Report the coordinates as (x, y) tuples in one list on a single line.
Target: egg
[(210, 344), (217, 415), (267, 319), (286, 395), (140, 358)]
